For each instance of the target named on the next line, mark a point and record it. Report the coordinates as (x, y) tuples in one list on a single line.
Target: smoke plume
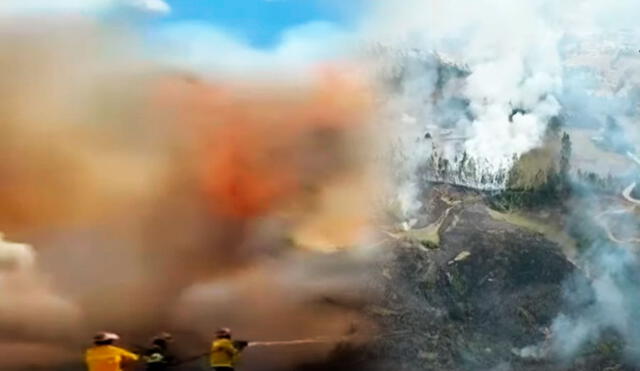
[(158, 198), (478, 82)]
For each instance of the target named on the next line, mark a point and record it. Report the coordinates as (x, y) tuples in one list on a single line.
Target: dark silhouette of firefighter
[(158, 357)]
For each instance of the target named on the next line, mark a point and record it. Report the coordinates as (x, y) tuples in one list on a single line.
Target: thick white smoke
[(516, 65), (508, 91), (516, 72), (28, 303)]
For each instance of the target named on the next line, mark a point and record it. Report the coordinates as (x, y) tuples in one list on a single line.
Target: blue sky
[(260, 23), (212, 34)]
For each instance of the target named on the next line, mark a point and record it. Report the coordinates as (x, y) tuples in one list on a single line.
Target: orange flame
[(261, 146)]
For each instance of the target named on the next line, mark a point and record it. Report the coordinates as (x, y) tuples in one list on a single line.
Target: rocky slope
[(477, 296)]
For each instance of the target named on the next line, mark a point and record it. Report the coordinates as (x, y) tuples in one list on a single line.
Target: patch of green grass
[(428, 236), (551, 232)]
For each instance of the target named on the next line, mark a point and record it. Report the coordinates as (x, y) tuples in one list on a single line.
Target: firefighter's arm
[(240, 344), (128, 356), (230, 349)]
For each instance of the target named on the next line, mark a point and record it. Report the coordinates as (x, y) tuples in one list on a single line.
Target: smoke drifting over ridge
[(498, 103), (485, 78)]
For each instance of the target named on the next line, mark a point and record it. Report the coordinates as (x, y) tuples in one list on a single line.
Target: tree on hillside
[(565, 161), (553, 129)]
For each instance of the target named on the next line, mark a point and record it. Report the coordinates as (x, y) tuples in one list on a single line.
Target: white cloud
[(13, 7), (207, 49), (153, 6), (16, 7)]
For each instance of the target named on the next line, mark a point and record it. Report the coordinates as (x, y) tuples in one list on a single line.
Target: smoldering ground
[(155, 201), (599, 301)]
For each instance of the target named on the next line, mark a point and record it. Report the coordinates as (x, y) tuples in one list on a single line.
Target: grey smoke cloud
[(605, 302)]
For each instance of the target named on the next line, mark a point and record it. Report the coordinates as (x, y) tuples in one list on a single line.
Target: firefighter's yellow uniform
[(223, 353), (107, 358)]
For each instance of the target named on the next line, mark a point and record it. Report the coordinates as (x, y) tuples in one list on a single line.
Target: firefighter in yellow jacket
[(104, 356), (224, 351)]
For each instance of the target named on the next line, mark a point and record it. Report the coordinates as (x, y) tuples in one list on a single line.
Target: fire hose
[(318, 340), (242, 344)]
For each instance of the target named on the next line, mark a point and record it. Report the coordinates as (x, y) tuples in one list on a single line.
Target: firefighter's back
[(105, 358), (223, 353)]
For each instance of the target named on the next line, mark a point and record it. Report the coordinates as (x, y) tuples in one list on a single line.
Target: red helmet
[(105, 336), (223, 332)]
